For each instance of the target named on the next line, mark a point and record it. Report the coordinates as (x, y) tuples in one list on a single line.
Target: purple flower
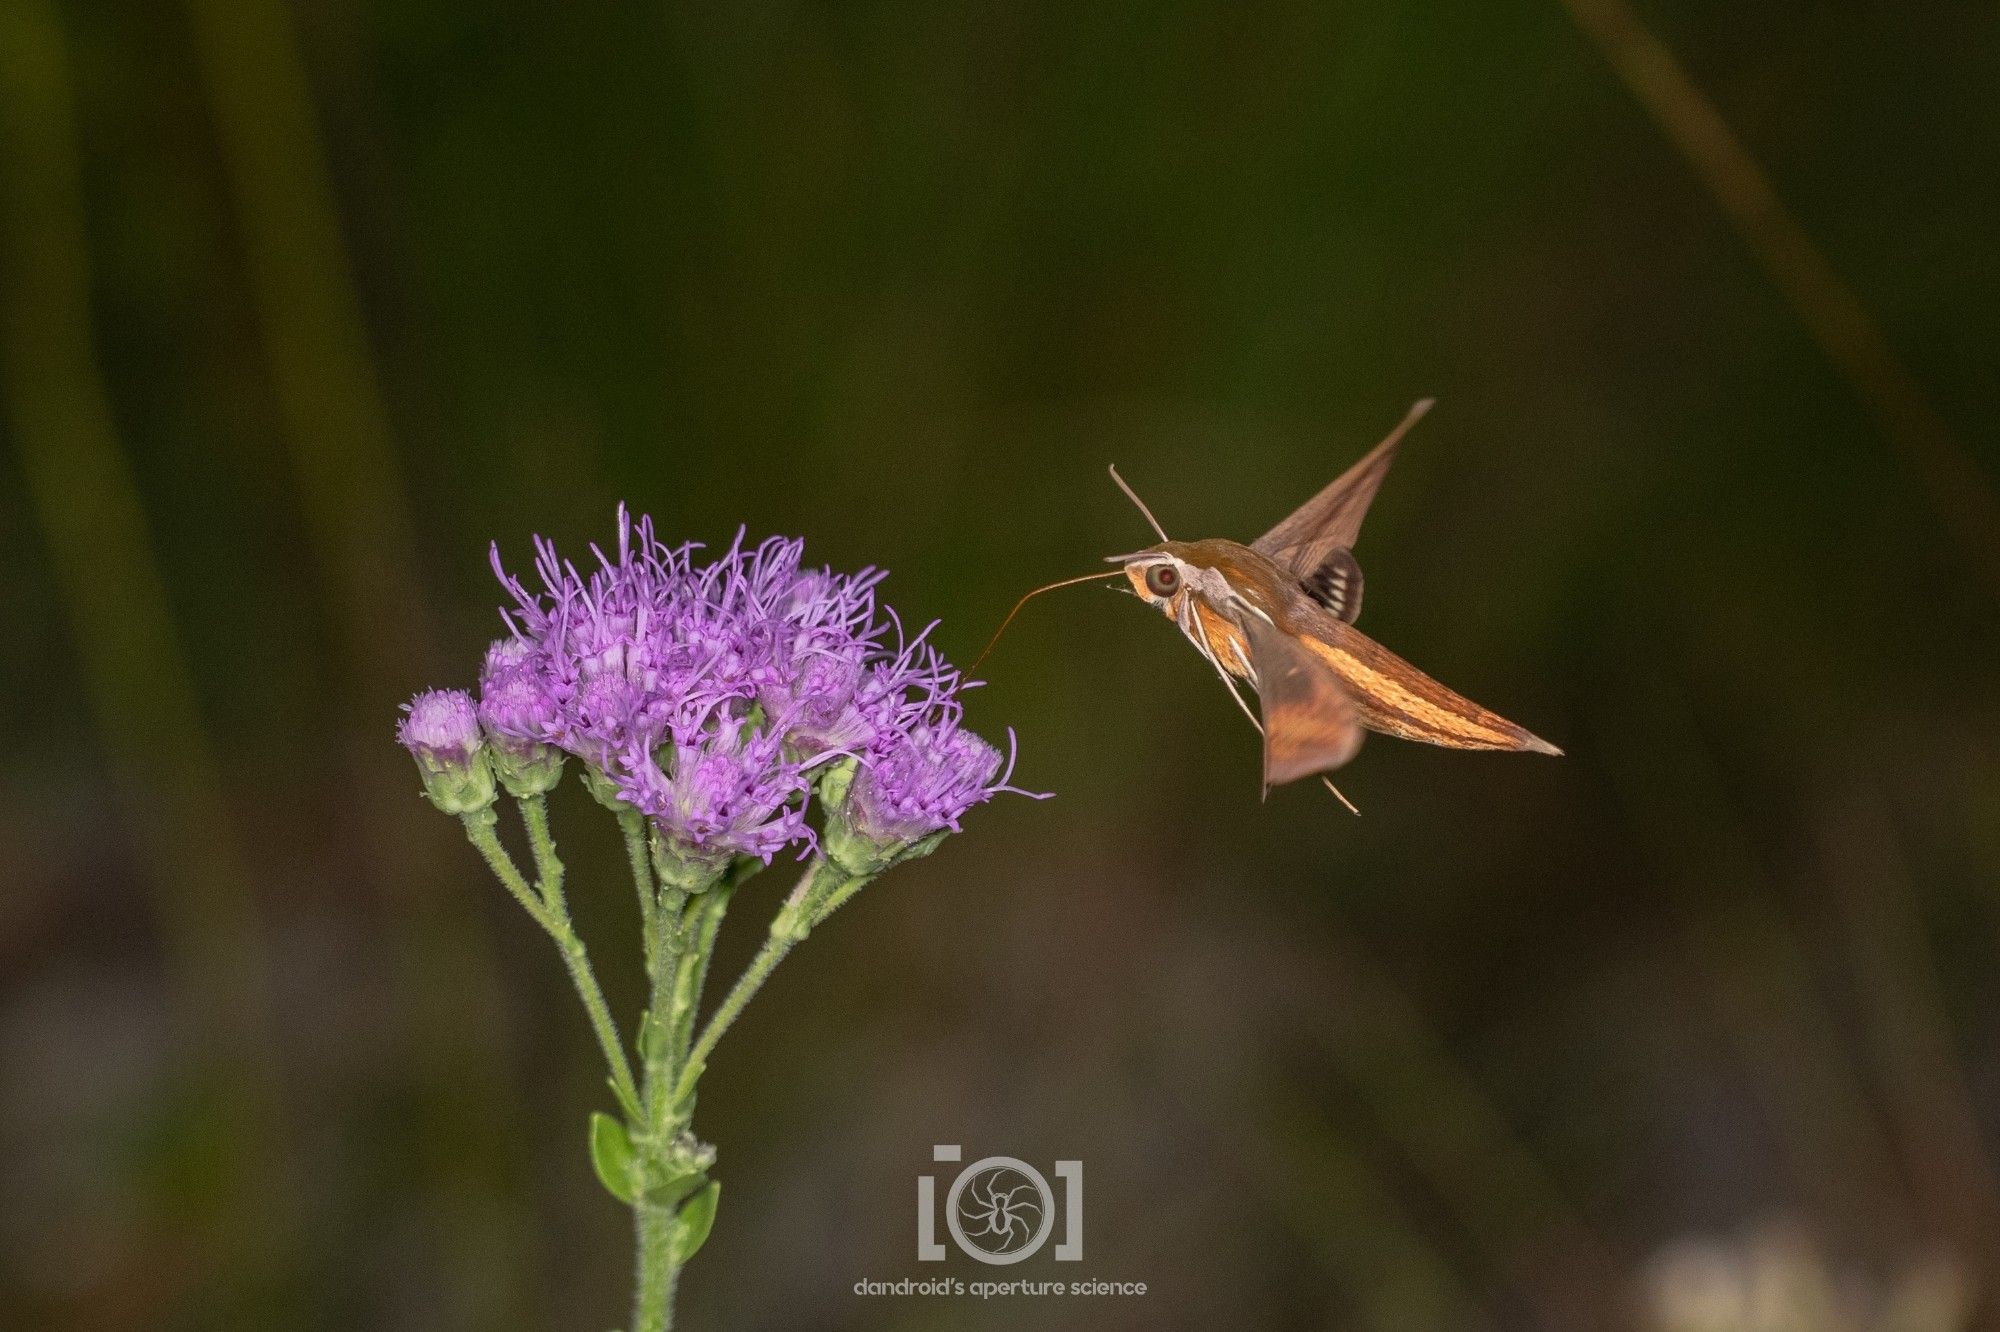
[(712, 693), (521, 716), (728, 794), (441, 731), (507, 656), (922, 779), (515, 701)]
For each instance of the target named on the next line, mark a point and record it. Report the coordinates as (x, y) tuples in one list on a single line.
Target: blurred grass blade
[(336, 422), (1431, 1111), (1745, 950), (336, 425), (1355, 1227), (134, 668), (1908, 1028), (1833, 314)]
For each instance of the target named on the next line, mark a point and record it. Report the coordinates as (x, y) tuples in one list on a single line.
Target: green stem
[(703, 924), (686, 920), (601, 1021), (833, 901), (664, 950), (694, 961), (633, 824), (658, 1273), (546, 908), (822, 881), (548, 869), (479, 827), (549, 877)]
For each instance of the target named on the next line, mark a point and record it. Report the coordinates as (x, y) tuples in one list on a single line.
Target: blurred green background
[(305, 304)]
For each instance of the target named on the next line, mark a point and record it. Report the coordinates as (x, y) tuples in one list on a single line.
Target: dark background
[(305, 304)]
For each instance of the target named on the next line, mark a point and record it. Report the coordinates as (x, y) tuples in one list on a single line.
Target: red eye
[(1163, 580)]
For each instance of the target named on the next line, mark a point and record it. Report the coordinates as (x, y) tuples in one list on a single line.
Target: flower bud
[(516, 713), (441, 731)]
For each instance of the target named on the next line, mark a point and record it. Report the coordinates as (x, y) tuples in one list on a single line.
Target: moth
[(1278, 614)]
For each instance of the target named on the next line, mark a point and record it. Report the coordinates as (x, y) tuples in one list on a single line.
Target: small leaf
[(691, 1227), (611, 1154), (669, 1192)]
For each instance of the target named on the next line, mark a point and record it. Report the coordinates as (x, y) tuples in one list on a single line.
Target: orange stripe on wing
[(1397, 699)]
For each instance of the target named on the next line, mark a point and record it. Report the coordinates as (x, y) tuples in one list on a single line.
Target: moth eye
[(1163, 580)]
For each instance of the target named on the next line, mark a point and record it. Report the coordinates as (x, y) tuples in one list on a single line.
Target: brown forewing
[(1396, 698), (1332, 518)]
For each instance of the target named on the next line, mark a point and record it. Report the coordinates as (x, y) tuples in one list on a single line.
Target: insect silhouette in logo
[(1001, 1210)]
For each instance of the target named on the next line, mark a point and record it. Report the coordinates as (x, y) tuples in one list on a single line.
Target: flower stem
[(703, 924), (822, 882), (479, 827), (658, 1274), (693, 973), (835, 898), (549, 879), (669, 926), (633, 824), (657, 1045), (548, 869), (601, 1021), (548, 911)]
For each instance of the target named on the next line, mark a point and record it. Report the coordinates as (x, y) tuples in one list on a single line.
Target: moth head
[(1157, 575)]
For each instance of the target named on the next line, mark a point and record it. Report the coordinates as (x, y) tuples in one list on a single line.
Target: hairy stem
[(633, 824), (821, 883), (657, 1045), (549, 881), (479, 829), (669, 921), (704, 923), (707, 924), (685, 922), (658, 1273), (548, 869)]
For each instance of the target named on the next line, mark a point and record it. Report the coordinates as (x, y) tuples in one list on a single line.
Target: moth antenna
[(1133, 495), (1049, 587)]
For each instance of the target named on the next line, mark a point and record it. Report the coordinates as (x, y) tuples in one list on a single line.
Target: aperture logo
[(1001, 1210)]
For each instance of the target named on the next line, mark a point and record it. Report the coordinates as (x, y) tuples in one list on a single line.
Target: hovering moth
[(1278, 614)]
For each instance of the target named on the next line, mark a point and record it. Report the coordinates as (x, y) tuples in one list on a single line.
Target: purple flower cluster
[(712, 695)]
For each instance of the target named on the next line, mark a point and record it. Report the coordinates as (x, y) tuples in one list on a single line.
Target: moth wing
[(1330, 521), (1397, 699), (1310, 724)]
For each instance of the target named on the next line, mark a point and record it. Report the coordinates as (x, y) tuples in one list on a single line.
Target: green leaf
[(611, 1154), (691, 1227), (670, 1191)]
